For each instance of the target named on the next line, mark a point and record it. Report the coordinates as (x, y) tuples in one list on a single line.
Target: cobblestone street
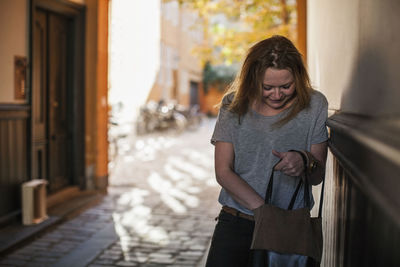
[(159, 210)]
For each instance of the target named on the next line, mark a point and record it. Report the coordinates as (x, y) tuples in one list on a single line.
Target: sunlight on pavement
[(165, 196), (173, 173), (129, 158), (190, 168), (171, 194), (134, 215), (200, 158)]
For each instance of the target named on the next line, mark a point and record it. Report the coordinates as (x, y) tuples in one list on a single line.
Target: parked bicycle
[(167, 116)]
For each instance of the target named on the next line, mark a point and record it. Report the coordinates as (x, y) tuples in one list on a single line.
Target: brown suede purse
[(287, 231)]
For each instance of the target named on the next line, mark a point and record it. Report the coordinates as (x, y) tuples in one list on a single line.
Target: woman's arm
[(319, 153), (239, 190)]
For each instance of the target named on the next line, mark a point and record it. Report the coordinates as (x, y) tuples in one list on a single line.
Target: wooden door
[(58, 102), (51, 96)]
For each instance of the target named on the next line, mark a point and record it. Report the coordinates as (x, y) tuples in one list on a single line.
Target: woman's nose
[(277, 92)]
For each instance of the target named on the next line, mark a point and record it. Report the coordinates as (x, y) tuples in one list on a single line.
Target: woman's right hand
[(291, 163)]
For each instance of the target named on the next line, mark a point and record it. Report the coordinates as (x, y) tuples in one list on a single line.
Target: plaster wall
[(332, 38), (178, 39), (14, 42), (353, 54), (190, 67)]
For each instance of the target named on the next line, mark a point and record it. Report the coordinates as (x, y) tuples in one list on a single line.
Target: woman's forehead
[(275, 76)]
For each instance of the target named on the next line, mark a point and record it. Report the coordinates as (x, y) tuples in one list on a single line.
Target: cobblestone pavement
[(159, 211)]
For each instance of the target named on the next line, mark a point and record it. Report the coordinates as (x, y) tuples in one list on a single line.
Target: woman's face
[(278, 89)]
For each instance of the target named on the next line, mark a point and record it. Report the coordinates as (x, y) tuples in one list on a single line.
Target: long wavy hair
[(274, 52)]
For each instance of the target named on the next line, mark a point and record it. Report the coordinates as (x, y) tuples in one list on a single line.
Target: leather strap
[(307, 201), (268, 195), (291, 204)]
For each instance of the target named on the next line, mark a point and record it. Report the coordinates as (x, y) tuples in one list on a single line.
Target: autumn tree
[(231, 26)]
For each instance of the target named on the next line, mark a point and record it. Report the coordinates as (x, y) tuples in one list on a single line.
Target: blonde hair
[(274, 52)]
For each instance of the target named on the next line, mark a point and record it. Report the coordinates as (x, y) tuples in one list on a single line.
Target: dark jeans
[(231, 241)]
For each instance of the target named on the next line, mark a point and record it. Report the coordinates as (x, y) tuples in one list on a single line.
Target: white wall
[(354, 55), (14, 42), (332, 45), (332, 38)]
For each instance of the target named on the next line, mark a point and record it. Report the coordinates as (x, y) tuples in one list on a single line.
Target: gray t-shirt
[(254, 139)]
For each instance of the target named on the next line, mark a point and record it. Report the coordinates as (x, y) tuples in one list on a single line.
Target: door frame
[(75, 12)]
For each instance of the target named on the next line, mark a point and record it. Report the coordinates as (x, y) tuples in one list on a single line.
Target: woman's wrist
[(312, 163), (258, 203)]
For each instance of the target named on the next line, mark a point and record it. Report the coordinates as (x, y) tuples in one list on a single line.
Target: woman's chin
[(276, 104), (279, 105)]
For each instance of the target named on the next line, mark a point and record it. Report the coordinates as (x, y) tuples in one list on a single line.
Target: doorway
[(194, 93), (57, 99)]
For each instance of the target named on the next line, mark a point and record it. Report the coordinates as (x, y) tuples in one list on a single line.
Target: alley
[(159, 211)]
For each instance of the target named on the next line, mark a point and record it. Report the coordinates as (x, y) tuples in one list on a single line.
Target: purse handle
[(307, 201)]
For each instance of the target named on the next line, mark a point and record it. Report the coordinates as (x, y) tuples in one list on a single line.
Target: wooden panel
[(370, 150), (39, 95), (366, 210), (39, 77), (13, 156), (365, 234), (39, 153), (58, 87)]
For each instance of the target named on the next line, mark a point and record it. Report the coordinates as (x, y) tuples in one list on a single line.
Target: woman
[(269, 110)]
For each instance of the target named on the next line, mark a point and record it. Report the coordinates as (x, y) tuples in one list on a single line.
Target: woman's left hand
[(291, 163)]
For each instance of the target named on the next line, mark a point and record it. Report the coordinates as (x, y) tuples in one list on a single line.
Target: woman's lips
[(276, 101)]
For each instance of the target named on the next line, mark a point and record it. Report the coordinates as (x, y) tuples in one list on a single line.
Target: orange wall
[(302, 27), (96, 91), (155, 93), (102, 89), (90, 88), (209, 100)]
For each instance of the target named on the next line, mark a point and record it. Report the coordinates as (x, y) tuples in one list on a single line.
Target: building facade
[(180, 74), (53, 97)]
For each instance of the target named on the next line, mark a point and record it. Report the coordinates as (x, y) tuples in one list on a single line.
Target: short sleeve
[(224, 127), (320, 132)]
